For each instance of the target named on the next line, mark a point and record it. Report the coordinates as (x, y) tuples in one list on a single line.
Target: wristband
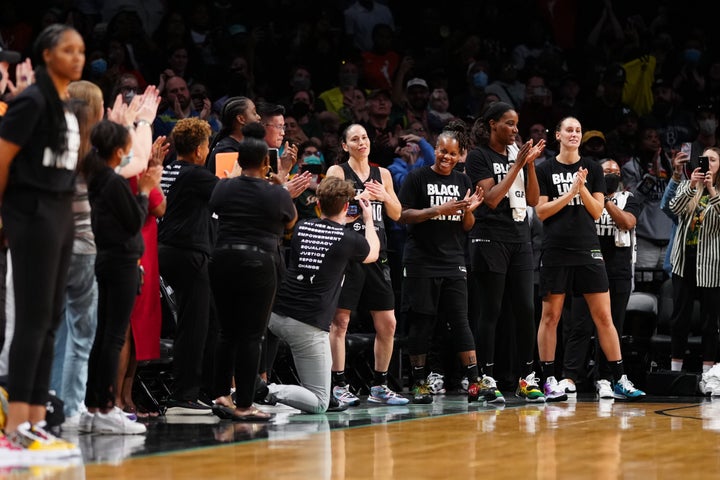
[(142, 122), (608, 198)]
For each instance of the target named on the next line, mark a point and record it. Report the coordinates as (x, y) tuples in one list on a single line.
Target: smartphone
[(686, 148), (353, 208), (273, 154), (704, 164)]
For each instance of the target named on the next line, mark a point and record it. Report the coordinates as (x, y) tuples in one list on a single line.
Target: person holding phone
[(695, 258)]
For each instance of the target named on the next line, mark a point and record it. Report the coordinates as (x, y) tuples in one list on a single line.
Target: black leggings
[(451, 300), (39, 228), (118, 280), (489, 290), (243, 284)]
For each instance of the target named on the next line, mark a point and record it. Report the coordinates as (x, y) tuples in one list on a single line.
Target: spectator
[(179, 105), (184, 254), (361, 16), (39, 139)]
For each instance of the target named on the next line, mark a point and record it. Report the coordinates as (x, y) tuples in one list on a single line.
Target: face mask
[(127, 98), (707, 126), (692, 55), (348, 79), (612, 182), (98, 67), (480, 79), (301, 83), (126, 159)]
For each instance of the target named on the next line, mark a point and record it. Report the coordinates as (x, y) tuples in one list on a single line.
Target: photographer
[(646, 176)]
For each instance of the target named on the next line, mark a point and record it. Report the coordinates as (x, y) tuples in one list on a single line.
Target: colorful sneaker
[(486, 389), (529, 390), (604, 389), (421, 393), (553, 392), (11, 454), (568, 386), (382, 394), (40, 446), (625, 390), (436, 383), (344, 395), (115, 422)]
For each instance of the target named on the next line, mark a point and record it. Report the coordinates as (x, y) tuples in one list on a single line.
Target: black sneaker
[(186, 407), (336, 405)]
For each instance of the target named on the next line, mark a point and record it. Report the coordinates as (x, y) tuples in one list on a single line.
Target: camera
[(273, 154), (704, 164)]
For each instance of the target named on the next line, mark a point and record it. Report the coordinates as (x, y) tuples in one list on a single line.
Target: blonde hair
[(92, 94), (693, 204)]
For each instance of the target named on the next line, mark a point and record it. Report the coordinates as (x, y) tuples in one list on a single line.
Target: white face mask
[(126, 159)]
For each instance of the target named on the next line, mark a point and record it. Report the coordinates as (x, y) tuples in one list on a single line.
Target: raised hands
[(529, 152), (159, 151)]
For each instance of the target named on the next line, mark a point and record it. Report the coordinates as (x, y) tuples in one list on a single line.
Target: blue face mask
[(126, 159), (480, 79), (98, 67), (692, 55)]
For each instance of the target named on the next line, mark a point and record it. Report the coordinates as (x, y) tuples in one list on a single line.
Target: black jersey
[(377, 207)]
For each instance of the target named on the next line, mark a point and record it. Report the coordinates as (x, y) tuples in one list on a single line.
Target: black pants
[(39, 228), (243, 284), (492, 292), (685, 292), (186, 271), (118, 280)]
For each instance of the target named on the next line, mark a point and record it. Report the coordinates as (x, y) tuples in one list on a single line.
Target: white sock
[(676, 365)]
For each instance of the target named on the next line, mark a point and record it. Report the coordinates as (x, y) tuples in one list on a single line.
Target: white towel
[(516, 194)]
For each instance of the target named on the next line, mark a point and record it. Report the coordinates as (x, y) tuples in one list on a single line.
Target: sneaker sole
[(391, 403), (188, 411)]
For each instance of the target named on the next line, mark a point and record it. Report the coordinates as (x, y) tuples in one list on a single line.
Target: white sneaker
[(71, 423), (85, 424), (604, 389), (553, 392), (436, 383), (116, 422), (568, 386)]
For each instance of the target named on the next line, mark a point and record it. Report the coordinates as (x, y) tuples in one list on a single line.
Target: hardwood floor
[(658, 438)]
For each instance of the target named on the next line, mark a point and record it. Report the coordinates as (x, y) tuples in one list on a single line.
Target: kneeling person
[(305, 304)]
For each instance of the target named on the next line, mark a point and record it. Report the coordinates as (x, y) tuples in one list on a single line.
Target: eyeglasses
[(274, 125)]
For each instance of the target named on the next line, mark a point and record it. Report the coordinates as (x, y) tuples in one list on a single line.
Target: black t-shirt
[(494, 224), (186, 223), (618, 260), (435, 247), (37, 167), (377, 207), (569, 236), (225, 144), (117, 214), (251, 211), (320, 251)]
